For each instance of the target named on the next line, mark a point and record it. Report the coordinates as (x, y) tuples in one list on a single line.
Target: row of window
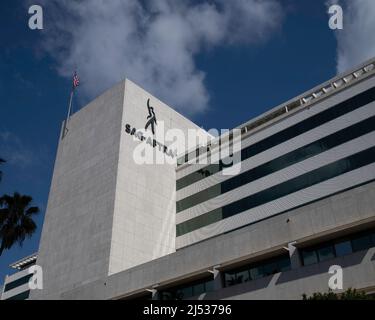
[(279, 163), (338, 248), (17, 283), (303, 181), (318, 253), (256, 271), (188, 290), (21, 296), (340, 109), (205, 149)]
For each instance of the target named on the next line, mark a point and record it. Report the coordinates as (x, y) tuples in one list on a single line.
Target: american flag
[(75, 80)]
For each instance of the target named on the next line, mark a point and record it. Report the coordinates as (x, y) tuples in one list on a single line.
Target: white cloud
[(151, 42), (356, 41)]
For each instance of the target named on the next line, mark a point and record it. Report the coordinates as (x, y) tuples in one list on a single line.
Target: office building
[(302, 201), (16, 285)]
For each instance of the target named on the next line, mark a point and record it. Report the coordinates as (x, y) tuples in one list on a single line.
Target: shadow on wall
[(322, 267), (288, 276)]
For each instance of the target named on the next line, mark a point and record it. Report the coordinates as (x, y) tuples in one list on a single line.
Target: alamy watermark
[(336, 20), (335, 281), (36, 19), (36, 280), (168, 146)]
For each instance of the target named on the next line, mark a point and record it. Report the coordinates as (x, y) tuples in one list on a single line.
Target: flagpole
[(69, 111)]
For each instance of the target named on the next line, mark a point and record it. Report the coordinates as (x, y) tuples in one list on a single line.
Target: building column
[(218, 283), (154, 294), (295, 261)]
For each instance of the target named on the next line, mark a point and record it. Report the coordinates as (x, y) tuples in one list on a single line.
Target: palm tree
[(16, 220), (1, 173)]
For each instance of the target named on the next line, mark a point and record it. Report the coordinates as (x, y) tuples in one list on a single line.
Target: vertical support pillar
[(218, 283), (154, 294), (295, 260)]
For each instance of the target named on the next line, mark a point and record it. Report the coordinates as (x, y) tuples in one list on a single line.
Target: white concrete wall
[(144, 214), (76, 237), (105, 213)]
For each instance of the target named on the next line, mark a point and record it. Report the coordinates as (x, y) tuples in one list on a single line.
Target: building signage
[(151, 122)]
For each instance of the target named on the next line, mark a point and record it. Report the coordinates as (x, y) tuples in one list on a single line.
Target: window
[(270, 268), (339, 247), (17, 283), (184, 293), (233, 278), (199, 289), (21, 296), (243, 276), (187, 291), (256, 273), (256, 270), (343, 248), (303, 181), (299, 128), (326, 253), (309, 257), (362, 243), (279, 163), (284, 264), (373, 238)]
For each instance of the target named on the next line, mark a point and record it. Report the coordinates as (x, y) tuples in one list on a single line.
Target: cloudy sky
[(219, 62)]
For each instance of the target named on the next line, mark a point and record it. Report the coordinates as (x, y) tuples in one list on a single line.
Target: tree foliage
[(349, 294), (16, 220)]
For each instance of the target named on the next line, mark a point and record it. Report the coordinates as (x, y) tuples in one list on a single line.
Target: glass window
[(229, 278), (198, 289), (17, 283), (343, 248), (326, 253), (237, 277), (20, 296), (284, 264), (288, 133), (166, 295), (270, 268), (373, 238), (309, 257), (277, 191), (243, 276), (361, 243), (256, 273), (209, 285), (183, 293)]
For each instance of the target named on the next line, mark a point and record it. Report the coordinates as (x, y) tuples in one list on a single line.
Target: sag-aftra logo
[(150, 122)]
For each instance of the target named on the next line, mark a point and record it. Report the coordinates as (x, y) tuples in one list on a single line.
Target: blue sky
[(235, 71)]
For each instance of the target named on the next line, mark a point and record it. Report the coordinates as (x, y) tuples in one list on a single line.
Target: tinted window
[(209, 285), (343, 248), (279, 163), (270, 268), (326, 253), (256, 273), (288, 133), (199, 289), (184, 293), (17, 283), (362, 243), (284, 264), (309, 257), (373, 238), (308, 179)]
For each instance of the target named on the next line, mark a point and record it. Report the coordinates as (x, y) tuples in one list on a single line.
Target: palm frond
[(16, 222)]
